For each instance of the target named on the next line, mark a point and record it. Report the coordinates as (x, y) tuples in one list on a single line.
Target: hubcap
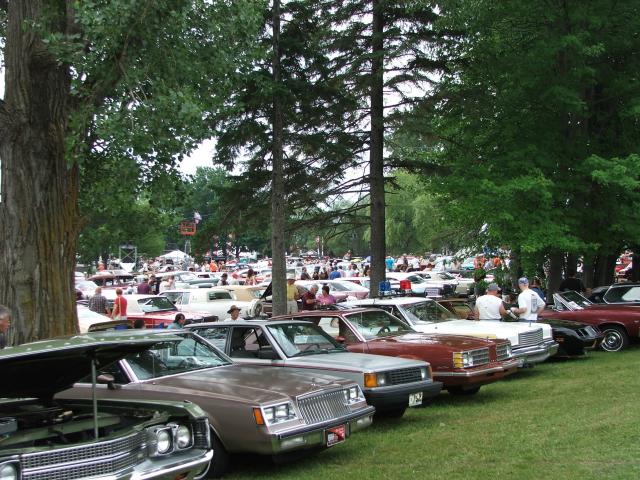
[(612, 340)]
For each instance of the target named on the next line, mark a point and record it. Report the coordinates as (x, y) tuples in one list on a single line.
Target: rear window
[(211, 296)]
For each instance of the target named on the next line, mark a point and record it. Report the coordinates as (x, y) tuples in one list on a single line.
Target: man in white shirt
[(529, 302), (489, 306)]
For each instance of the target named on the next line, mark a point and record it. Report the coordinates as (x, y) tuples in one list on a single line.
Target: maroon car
[(618, 323), (462, 364)]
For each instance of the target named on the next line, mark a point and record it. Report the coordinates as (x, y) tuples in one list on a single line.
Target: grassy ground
[(560, 420)]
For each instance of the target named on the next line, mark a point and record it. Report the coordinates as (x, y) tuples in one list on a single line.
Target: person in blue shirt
[(389, 263), (178, 323)]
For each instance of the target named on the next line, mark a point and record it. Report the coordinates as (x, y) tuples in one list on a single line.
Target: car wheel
[(221, 462), (463, 391), (615, 339)]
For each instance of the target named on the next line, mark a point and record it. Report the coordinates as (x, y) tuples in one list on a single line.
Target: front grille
[(322, 407), (502, 352), (82, 461), (406, 375), (529, 339), (480, 356)]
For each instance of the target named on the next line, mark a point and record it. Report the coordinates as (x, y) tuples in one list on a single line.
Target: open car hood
[(41, 369)]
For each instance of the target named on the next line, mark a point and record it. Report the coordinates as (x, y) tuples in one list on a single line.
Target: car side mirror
[(108, 380)]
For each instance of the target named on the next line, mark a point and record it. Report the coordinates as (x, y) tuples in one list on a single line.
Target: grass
[(560, 420)]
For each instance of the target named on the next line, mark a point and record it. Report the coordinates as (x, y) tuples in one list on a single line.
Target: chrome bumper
[(535, 353)]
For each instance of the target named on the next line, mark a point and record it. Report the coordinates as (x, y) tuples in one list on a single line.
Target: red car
[(618, 323), (462, 364)]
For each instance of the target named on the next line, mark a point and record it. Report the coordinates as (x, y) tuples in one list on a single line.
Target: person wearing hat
[(529, 302), (223, 279), (293, 295), (234, 313), (489, 306)]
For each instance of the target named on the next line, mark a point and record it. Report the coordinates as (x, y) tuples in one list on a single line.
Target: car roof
[(392, 300)]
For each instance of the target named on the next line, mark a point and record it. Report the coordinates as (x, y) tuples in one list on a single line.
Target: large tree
[(84, 80)]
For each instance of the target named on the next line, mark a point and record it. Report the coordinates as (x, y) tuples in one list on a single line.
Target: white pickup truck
[(215, 301)]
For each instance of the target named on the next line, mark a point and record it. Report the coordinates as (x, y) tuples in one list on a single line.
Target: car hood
[(455, 342), (363, 362), (487, 329), (41, 369), (247, 382)]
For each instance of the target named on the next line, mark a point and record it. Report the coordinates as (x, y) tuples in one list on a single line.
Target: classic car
[(157, 311), (112, 278), (462, 364), (89, 321), (422, 287), (340, 290), (215, 301), (251, 410), (618, 323), (443, 278), (617, 294), (86, 288), (43, 438), (530, 344), (388, 384)]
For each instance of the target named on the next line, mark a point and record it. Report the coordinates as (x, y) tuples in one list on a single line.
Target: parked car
[(341, 290), (421, 286), (442, 278), (574, 339), (89, 321), (112, 279), (389, 384), (215, 301), (266, 411), (43, 438), (462, 364), (87, 288), (157, 311), (618, 323), (617, 294), (530, 344)]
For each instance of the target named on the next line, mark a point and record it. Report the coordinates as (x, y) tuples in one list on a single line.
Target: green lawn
[(560, 420)]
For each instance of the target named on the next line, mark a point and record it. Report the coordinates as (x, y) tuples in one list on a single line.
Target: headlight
[(509, 351), (424, 373), (9, 471), (183, 438), (353, 395), (275, 414), (372, 380), (462, 360)]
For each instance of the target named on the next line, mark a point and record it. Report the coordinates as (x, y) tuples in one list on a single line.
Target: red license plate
[(335, 435)]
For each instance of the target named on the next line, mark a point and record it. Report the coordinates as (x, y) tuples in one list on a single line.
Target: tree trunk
[(556, 261), (39, 190), (588, 271), (605, 269), (278, 214), (376, 152)]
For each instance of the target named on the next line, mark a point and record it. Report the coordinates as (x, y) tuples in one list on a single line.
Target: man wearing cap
[(489, 306), (292, 294), (234, 313), (529, 303)]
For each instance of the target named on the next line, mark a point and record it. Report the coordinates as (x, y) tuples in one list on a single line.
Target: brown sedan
[(251, 409)]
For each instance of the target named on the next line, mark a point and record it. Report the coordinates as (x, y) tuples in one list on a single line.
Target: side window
[(336, 327), (247, 341), (632, 295), (212, 296), (216, 336)]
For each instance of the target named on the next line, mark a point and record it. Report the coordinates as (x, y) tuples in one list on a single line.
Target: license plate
[(415, 399), (335, 435)]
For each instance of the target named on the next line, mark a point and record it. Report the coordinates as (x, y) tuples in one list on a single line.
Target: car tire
[(615, 339), (458, 390), (221, 461)]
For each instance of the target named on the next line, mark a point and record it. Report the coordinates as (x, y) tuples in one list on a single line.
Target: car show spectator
[(5, 323), (489, 306), (529, 303), (389, 262), (178, 322), (572, 283), (325, 298), (234, 313), (323, 275), (148, 286), (293, 295), (98, 302), (168, 284), (335, 274), (224, 279), (251, 278), (309, 298), (304, 275), (536, 286), (119, 306)]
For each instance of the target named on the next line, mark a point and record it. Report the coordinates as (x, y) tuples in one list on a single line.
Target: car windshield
[(416, 279), (169, 358), (573, 300), (424, 313), (378, 323), (156, 304), (298, 339)]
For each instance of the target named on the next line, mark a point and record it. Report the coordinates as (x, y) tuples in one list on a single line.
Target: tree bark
[(39, 189), (376, 152), (588, 271), (556, 261), (605, 269), (278, 214)]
